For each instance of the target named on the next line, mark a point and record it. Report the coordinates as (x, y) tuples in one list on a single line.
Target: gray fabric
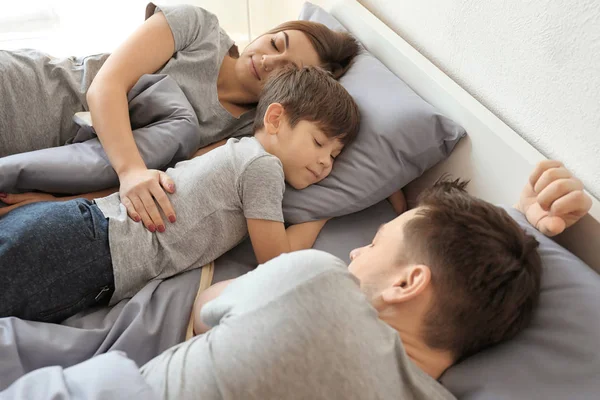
[(200, 45), (164, 126), (109, 376), (288, 330), (558, 356), (156, 317), (215, 194), (152, 321), (400, 137), (39, 95)]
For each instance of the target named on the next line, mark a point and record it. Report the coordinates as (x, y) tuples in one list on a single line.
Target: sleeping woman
[(39, 95)]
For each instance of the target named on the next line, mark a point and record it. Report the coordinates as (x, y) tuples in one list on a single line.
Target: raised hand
[(553, 198)]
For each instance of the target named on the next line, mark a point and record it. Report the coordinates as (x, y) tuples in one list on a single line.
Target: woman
[(39, 95)]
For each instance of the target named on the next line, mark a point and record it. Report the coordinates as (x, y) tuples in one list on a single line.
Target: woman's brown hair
[(336, 50)]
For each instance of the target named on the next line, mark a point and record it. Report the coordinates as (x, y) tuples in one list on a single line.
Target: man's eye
[(274, 45)]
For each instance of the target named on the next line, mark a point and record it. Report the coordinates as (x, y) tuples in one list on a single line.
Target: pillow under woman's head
[(401, 136)]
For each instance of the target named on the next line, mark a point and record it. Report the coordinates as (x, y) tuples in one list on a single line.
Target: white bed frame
[(493, 156)]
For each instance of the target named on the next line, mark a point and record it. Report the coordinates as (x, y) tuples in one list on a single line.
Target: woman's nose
[(273, 62)]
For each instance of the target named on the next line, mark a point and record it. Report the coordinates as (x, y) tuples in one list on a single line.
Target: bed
[(493, 156), (495, 159)]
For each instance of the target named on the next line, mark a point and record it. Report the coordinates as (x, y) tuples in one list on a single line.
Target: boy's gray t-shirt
[(214, 195), (39, 94), (297, 327)]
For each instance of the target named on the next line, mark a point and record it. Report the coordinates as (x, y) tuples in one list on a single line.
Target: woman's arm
[(17, 200), (144, 52)]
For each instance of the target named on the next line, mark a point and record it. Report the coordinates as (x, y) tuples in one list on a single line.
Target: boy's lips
[(313, 172), (253, 69)]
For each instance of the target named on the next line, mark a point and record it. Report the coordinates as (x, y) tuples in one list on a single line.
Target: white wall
[(75, 27), (534, 63)]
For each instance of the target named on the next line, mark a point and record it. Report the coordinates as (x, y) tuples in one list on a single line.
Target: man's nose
[(355, 253)]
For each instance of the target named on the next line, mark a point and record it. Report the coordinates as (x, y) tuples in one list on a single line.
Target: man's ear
[(409, 283), (273, 118)]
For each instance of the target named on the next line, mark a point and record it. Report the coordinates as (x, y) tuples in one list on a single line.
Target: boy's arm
[(270, 238), (398, 201)]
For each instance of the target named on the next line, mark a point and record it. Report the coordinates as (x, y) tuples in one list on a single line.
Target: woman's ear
[(273, 118), (410, 283)]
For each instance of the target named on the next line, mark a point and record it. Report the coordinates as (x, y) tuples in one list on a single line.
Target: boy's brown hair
[(485, 270), (311, 94)]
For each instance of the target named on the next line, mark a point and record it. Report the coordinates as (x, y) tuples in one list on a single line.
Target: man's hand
[(18, 200), (553, 199)]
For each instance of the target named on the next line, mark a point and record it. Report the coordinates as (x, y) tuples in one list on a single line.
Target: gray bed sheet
[(155, 318)]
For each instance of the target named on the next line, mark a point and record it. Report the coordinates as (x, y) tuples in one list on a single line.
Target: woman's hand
[(141, 190), (553, 199), (18, 200)]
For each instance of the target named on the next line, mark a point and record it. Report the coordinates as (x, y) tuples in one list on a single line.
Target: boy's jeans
[(54, 260)]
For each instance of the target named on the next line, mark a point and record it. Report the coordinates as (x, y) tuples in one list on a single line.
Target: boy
[(59, 258)]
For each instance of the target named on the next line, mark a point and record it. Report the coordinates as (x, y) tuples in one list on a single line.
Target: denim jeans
[(54, 260)]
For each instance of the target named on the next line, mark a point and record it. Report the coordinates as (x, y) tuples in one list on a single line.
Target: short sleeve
[(262, 185), (190, 25), (290, 272)]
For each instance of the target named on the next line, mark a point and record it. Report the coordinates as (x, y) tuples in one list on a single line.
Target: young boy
[(61, 257)]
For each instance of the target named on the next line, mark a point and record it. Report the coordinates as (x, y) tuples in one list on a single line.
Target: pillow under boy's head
[(400, 137)]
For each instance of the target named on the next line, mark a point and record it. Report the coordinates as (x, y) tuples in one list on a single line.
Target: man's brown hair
[(336, 50), (485, 270), (311, 94)]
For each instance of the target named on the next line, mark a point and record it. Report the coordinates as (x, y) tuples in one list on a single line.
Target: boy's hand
[(553, 199), (18, 200)]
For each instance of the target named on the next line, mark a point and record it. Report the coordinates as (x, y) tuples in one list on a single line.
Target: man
[(440, 282)]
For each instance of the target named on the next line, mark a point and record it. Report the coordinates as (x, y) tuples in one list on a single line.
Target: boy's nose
[(354, 253), (325, 160)]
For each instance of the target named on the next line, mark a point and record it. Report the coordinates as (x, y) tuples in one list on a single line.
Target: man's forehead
[(402, 219)]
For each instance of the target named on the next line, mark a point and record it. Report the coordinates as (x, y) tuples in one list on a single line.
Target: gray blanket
[(110, 376), (165, 129), (149, 323), (143, 326)]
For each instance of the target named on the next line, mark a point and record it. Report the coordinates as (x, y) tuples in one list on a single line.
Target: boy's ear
[(273, 118)]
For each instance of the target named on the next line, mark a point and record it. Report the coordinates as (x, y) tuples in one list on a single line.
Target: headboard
[(493, 157)]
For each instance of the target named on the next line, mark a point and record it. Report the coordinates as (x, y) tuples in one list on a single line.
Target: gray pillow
[(400, 137), (558, 356)]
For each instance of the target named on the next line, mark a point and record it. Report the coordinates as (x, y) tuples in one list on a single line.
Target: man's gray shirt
[(214, 195), (297, 327)]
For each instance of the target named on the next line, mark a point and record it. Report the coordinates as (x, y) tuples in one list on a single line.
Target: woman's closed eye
[(317, 143), (274, 45)]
